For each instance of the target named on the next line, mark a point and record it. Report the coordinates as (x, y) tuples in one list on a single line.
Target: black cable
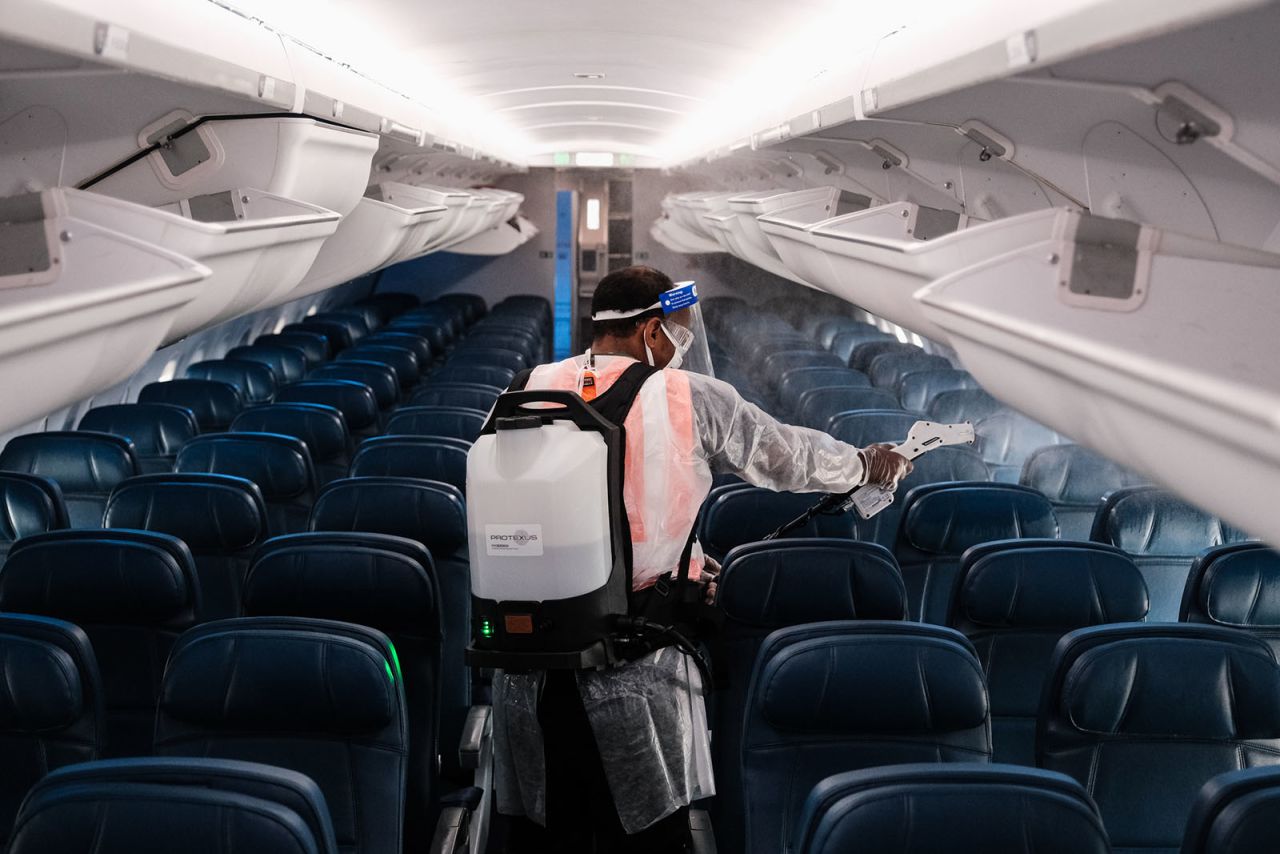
[(681, 642)]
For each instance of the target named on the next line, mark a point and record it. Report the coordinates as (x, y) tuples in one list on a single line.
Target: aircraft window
[(170, 370)]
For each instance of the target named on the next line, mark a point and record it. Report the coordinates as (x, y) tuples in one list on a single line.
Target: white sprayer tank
[(538, 513)]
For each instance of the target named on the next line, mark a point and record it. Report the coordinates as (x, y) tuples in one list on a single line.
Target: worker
[(609, 760)]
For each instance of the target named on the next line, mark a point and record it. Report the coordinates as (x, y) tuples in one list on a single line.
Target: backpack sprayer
[(871, 499)]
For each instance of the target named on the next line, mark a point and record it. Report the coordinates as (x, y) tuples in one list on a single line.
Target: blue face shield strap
[(683, 295)]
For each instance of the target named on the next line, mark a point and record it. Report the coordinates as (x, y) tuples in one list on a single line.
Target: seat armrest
[(451, 831), (702, 836), (475, 730)]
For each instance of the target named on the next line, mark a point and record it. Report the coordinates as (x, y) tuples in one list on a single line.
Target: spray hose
[(640, 624)]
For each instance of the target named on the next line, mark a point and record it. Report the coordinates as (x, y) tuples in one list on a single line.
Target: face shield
[(681, 323)]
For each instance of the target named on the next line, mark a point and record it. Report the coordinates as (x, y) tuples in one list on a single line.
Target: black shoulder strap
[(615, 403), (520, 380)]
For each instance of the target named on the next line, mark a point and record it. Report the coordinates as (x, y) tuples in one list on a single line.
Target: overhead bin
[(726, 229), (498, 241), (785, 227), (298, 158), (679, 239), (460, 218), (82, 304), (385, 227), (258, 245), (1152, 347), (688, 208)]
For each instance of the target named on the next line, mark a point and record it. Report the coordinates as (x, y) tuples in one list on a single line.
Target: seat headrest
[(29, 504), (289, 364), (154, 428), (871, 348), (378, 376), (1051, 586), (280, 675), (416, 344), (737, 514), (456, 421), (376, 580), (400, 359), (280, 465), (256, 381), (946, 519), (356, 401), (214, 403), (878, 425), (79, 460), (1165, 681), (1009, 437), (46, 694), (322, 428), (337, 334), (917, 389), (120, 577), (426, 457), (925, 679), (1237, 585), (965, 404), (1070, 474), (1235, 813), (313, 346), (487, 374), (456, 394), (888, 369), (354, 321), (430, 512), (1146, 520), (211, 513), (775, 584)]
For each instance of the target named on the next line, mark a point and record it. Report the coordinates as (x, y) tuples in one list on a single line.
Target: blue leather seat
[(941, 521), (321, 428), (828, 328), (448, 318), (889, 369), (313, 345), (158, 430), (338, 334), (515, 337), (966, 404), (214, 404), (222, 519), (319, 697), (436, 335), (416, 344), (1164, 534), (1007, 439), (951, 809), (356, 402), (737, 514), (389, 304), (184, 806), (29, 505), (845, 342), (797, 381), (354, 320), (384, 582), (1236, 585), (132, 592), (466, 395), (1075, 480), (865, 427), (772, 585), (487, 352), (466, 373), (433, 514), (256, 381), (289, 364), (52, 697), (832, 697), (1015, 598), (279, 465), (448, 421), (776, 365), (1144, 715), (818, 406), (379, 377), (85, 465), (1235, 813), (473, 305), (425, 457), (402, 360), (868, 351), (917, 390)]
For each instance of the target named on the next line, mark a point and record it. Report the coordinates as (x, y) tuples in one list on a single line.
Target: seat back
[(222, 519), (888, 369), (52, 702), (951, 809), (941, 521), (819, 406), (1163, 534), (338, 334), (314, 346), (1144, 715), (157, 430), (256, 381), (132, 592), (433, 514), (487, 353), (318, 697), (279, 465), (402, 360), (356, 402), (966, 404), (772, 585), (867, 427), (1236, 585), (425, 457), (482, 374), (1015, 599), (452, 422), (387, 583), (1075, 480), (31, 505), (954, 464), (845, 342), (389, 304), (917, 390), (288, 364), (378, 376), (1235, 813), (831, 697), (872, 348), (416, 344), (85, 465), (465, 395), (355, 321), (436, 335), (321, 428), (797, 381), (738, 514), (776, 364), (200, 806), (213, 403), (1007, 439)]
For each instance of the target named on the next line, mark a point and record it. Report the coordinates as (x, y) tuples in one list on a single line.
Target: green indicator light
[(486, 628), (562, 158)]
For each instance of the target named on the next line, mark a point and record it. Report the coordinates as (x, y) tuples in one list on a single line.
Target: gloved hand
[(884, 467)]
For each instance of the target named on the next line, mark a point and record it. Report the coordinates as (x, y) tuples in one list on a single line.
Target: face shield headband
[(689, 339)]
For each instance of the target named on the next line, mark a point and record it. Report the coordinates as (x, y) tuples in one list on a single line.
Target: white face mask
[(680, 338)]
